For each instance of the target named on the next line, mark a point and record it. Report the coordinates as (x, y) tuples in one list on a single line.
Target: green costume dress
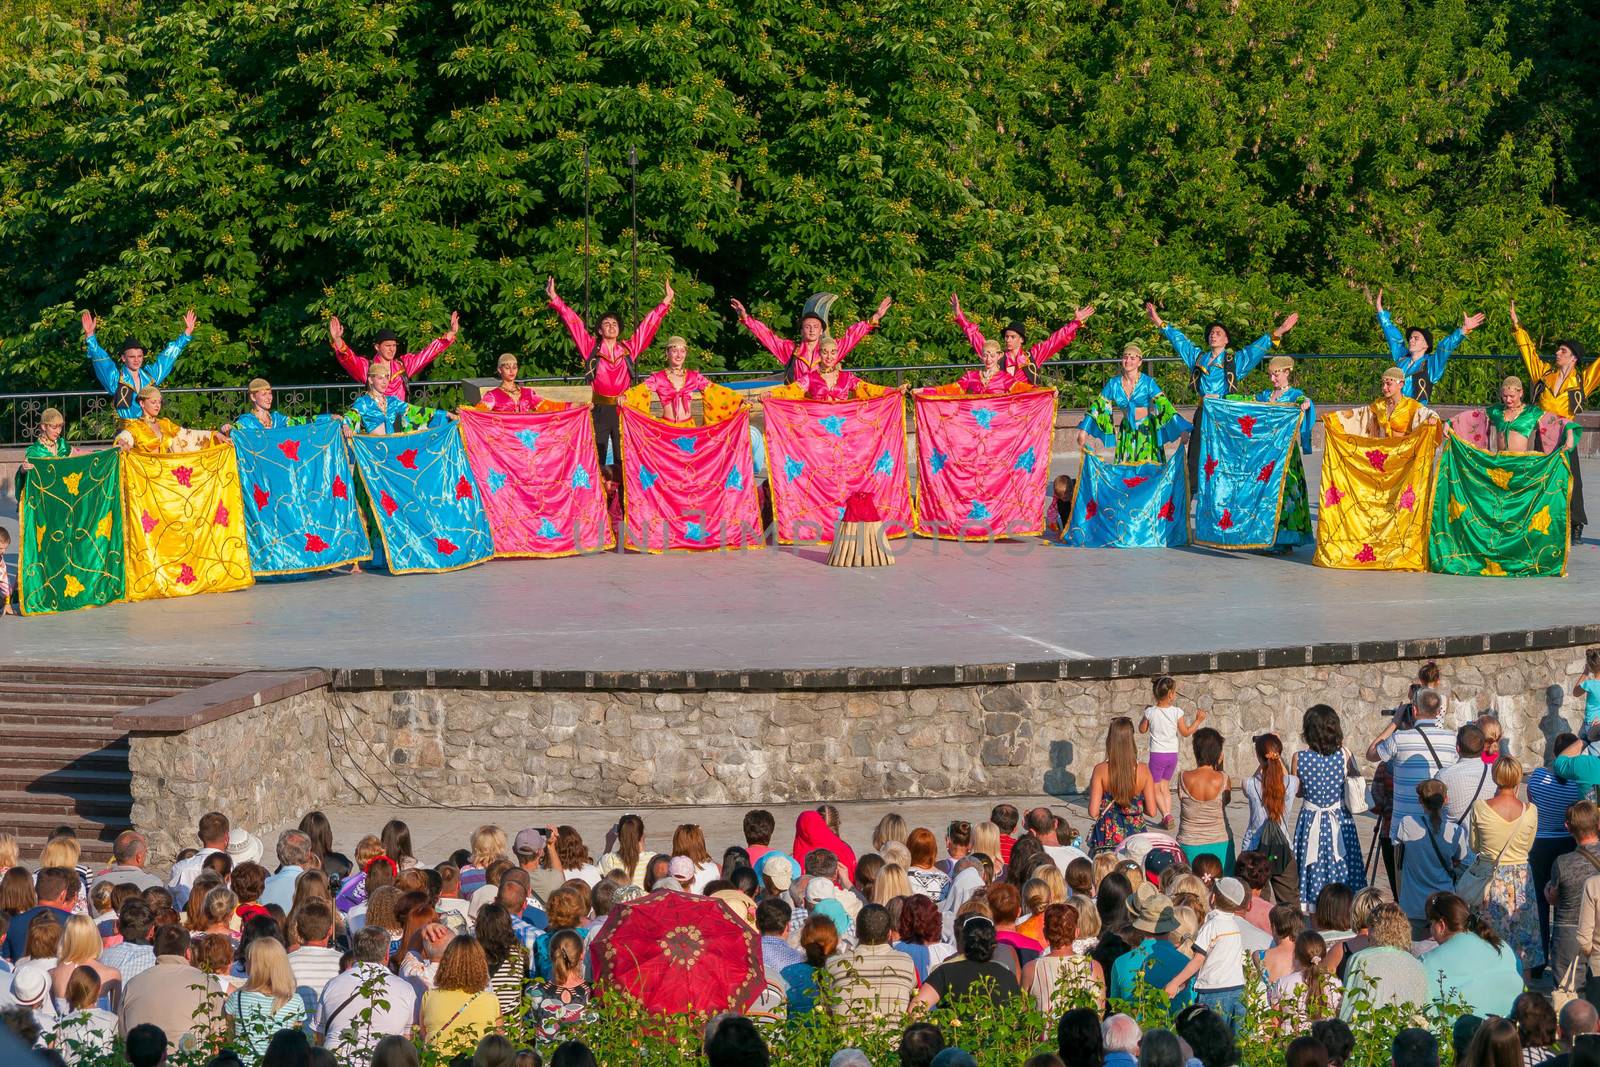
[(39, 450)]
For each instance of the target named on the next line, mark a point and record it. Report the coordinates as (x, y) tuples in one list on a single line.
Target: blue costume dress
[(280, 421), (1325, 842), (124, 384), (396, 416), (1421, 371), (1213, 376), (1138, 440), (1294, 514)]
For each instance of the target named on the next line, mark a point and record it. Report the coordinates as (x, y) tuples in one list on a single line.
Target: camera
[(1404, 716)]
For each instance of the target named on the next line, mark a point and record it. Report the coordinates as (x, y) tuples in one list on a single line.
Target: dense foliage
[(271, 162)]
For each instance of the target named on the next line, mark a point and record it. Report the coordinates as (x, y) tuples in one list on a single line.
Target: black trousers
[(1579, 519), (607, 429), (1541, 860), (1192, 461)]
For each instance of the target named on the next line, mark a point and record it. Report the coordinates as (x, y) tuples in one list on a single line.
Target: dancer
[(989, 380), (153, 434), (401, 368), (799, 357), (510, 397), (830, 381), (1413, 350), (1516, 424), (1561, 389), (1024, 365), (379, 411), (1213, 372), (261, 416), (1392, 414), (123, 381), (1149, 421), (1294, 515), (50, 444), (608, 363), (676, 386)]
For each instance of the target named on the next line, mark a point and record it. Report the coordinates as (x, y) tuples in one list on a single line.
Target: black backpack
[(1276, 846)]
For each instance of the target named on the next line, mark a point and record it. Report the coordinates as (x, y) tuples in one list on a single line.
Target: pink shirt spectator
[(610, 368), (401, 368)]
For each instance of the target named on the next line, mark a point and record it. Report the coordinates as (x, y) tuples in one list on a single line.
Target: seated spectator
[(314, 962), (80, 947), (1287, 923), (266, 1003), (1415, 1047), (1006, 903), (1161, 1048), (974, 969), (1062, 974), (1470, 961), (83, 1029), (460, 1007), (1080, 1041), (1305, 1051), (563, 1000), (921, 929), (1496, 1044), (1536, 1028), (508, 961), (819, 940), (924, 873), (736, 1043), (170, 995), (145, 1046), (1336, 1037), (872, 980), (1208, 1034), (1309, 992), (1120, 1034), (1578, 1018), (920, 1044), (366, 1004), (1385, 972)]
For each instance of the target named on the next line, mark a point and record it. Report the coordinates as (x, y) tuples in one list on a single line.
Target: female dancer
[(1294, 515), (1024, 365), (1149, 421), (510, 397), (1414, 352), (831, 382), (989, 380), (802, 356), (1561, 388), (1516, 425)]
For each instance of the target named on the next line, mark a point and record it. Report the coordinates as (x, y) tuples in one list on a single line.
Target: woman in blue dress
[(1149, 421), (1326, 846), (1294, 514)]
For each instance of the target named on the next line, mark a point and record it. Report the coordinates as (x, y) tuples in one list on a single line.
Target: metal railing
[(91, 419)]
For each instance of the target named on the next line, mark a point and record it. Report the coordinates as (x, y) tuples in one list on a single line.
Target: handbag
[(1470, 882), (1355, 787)]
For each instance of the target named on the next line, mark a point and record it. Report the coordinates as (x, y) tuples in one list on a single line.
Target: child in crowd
[(1588, 687), (5, 572), (1164, 721)]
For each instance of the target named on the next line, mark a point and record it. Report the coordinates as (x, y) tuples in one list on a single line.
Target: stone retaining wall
[(458, 747)]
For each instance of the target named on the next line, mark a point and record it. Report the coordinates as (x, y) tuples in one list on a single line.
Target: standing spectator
[(1470, 961), (129, 853), (1431, 852), (1503, 827), (960, 976), (171, 994), (1005, 817), (57, 891), (365, 1003), (873, 980), (1570, 899), (294, 855), (1468, 779), (213, 832), (1326, 846), (1164, 721), (921, 935), (925, 876), (266, 1003), (1386, 972), (460, 1008), (1218, 964), (1552, 796), (1272, 794), (1062, 973), (1202, 797), (1414, 753), (1121, 792)]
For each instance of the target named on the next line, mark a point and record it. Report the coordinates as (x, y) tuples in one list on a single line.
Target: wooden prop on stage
[(859, 540)]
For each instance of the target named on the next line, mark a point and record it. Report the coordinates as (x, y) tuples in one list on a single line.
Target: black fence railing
[(91, 418)]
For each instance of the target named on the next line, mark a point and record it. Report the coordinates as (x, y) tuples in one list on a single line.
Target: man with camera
[(1416, 748)]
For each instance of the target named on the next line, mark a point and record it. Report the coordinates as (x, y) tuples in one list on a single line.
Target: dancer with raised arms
[(1024, 364), (1561, 388), (124, 380), (1414, 352), (805, 355), (401, 368)]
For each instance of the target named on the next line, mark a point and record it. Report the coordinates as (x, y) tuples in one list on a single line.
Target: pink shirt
[(1033, 356), (401, 368), (675, 401), (803, 354), (610, 364), (1002, 382), (817, 387), (497, 399)]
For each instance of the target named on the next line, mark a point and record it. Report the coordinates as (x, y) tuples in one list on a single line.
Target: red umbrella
[(675, 952)]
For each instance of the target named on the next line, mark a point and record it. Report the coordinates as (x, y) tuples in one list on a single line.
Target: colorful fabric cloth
[(846, 386), (983, 464), (183, 523), (610, 372), (424, 503), (35, 452), (1429, 366), (1291, 395), (1377, 496), (69, 546), (300, 502), (1246, 450), (819, 453), (1138, 439), (541, 488), (394, 415), (401, 369), (1499, 514), (250, 421), (163, 437), (688, 487), (1130, 505), (124, 384)]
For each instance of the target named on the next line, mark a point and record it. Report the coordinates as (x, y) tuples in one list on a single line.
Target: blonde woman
[(986, 841), (1089, 925), (892, 882), (266, 1003), (890, 828), (80, 947), (489, 843), (1121, 791), (9, 856), (63, 851), (1104, 864), (1503, 827), (1045, 888)]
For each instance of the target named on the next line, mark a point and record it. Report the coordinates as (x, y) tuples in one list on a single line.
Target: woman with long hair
[(460, 1008), (926, 877), (80, 948), (396, 838), (1471, 961), (819, 940), (892, 827), (1121, 791), (1272, 793), (1496, 1044), (1058, 978), (1503, 826), (1045, 888), (891, 883), (574, 857), (85, 1030), (16, 892), (336, 865), (629, 855), (1203, 797), (1326, 845), (507, 958), (266, 1003), (194, 909), (489, 843), (689, 840), (563, 999)]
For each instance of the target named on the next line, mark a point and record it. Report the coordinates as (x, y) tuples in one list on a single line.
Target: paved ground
[(941, 603), (436, 832)]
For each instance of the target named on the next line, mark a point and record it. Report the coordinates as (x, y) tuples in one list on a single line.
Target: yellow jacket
[(1556, 393)]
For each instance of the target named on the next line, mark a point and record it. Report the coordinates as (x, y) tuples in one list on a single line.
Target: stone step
[(43, 759), (180, 677), (37, 827), (112, 696), (76, 736), (66, 805), (97, 715), (70, 778)]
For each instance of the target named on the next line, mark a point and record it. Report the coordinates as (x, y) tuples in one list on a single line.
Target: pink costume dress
[(800, 357), (675, 402), (1025, 365), (526, 401), (609, 369), (817, 387), (401, 368), (1003, 381)]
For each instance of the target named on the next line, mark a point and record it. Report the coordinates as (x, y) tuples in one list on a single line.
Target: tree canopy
[(272, 162)]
